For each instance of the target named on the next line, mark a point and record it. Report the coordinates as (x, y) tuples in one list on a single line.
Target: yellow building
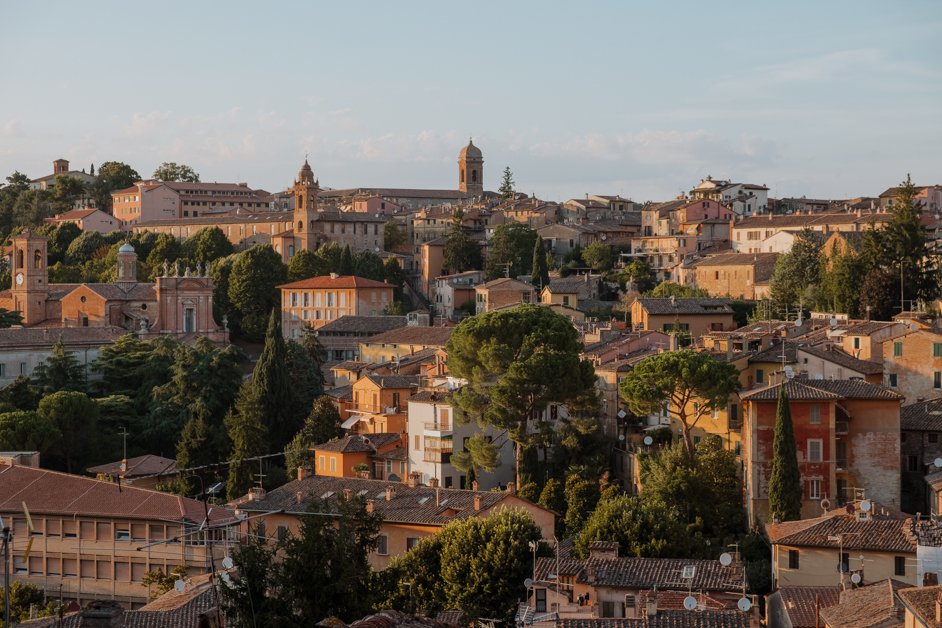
[(317, 301)]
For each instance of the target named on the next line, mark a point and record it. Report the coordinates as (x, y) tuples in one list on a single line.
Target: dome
[(470, 152), (126, 248), (306, 173)]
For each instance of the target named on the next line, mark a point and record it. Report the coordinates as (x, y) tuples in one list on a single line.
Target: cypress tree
[(246, 427), (346, 261), (785, 482), (539, 276), (271, 388)]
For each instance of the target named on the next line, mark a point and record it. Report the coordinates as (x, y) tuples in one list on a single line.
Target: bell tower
[(30, 277), (305, 191), (471, 170)]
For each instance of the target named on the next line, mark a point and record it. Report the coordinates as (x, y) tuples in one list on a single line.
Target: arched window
[(474, 176), (462, 175), (19, 258), (300, 226), (38, 259)]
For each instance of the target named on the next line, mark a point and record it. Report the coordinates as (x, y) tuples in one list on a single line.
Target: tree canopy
[(510, 251), (785, 478), (172, 171)]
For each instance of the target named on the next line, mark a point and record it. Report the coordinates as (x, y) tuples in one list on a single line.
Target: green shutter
[(897, 349)]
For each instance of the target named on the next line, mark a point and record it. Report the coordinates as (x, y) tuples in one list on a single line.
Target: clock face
[(19, 278)]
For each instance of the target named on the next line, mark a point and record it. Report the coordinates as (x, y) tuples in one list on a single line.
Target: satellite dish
[(744, 604), (227, 562), (833, 322), (865, 505), (855, 578), (226, 579), (648, 440), (938, 463), (179, 585), (622, 414), (690, 602), (825, 504), (621, 437), (528, 583), (798, 322), (789, 372), (726, 559)]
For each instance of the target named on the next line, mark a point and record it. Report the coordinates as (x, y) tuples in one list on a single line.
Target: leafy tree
[(840, 283), (26, 430), (879, 292), (32, 207), (461, 253), (796, 271), (307, 381), (59, 240), (9, 319), (112, 175), (75, 416), (312, 344), (598, 256), (207, 244), (321, 425), (220, 271), (84, 247), (485, 561), (134, 367), (539, 276), (245, 424), (553, 496), (369, 265), (785, 479), (66, 191), (304, 265), (581, 498), (196, 447), (158, 582), (510, 248), (641, 528), (252, 288), (669, 289), (326, 570), (517, 362), (172, 171), (506, 189), (904, 240), (27, 601), (271, 385), (20, 394), (253, 597), (166, 249), (690, 382), (60, 371), (394, 236), (394, 276), (412, 581), (478, 454)]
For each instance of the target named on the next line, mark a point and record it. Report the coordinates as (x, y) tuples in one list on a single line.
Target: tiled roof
[(764, 263), (646, 573), (922, 416), (408, 504), (801, 389), (774, 354), (796, 390), (71, 336), (75, 214), (393, 619), (51, 492), (340, 393), (921, 602), (148, 464), (340, 281), (571, 284), (667, 619), (393, 381), (504, 283), (800, 603), (840, 357), (871, 605), (891, 532), (867, 328), (414, 335), (368, 325), (118, 292), (686, 306), (353, 443), (430, 396)]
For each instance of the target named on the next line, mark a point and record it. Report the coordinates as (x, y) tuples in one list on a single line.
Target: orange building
[(379, 404), (377, 456), (319, 300), (695, 316)]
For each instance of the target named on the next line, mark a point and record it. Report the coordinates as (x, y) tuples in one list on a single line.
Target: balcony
[(438, 428)]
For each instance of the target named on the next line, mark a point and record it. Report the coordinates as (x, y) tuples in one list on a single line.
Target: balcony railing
[(438, 426)]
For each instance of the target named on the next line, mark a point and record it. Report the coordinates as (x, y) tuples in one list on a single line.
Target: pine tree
[(60, 371), (506, 189), (539, 276), (193, 449), (246, 427), (271, 384), (346, 261), (785, 481)]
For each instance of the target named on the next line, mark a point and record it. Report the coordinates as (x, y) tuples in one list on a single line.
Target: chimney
[(938, 610), (256, 492), (389, 493), (333, 275), (433, 482), (477, 502), (299, 497), (438, 496), (304, 473), (103, 614), (474, 485), (370, 505), (511, 488), (930, 579), (347, 494)]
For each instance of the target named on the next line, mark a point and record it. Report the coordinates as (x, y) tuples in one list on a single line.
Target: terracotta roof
[(408, 504), (922, 416), (774, 354), (871, 605), (430, 396), (141, 465), (51, 492), (354, 443), (413, 335), (891, 532), (118, 292), (341, 393), (368, 325), (646, 573), (393, 381), (867, 328), (921, 602), (392, 619), (341, 281), (800, 603), (667, 619), (709, 307), (72, 337), (840, 357), (764, 263), (75, 214), (505, 283), (801, 389)]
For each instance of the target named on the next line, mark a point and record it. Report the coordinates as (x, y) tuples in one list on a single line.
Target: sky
[(831, 99)]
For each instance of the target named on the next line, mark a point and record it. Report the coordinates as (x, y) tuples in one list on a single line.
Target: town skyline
[(613, 100)]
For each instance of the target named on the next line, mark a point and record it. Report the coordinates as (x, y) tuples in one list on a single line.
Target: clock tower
[(30, 277), (305, 191)]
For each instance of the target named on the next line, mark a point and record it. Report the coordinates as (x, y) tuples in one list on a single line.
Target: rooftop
[(413, 335), (922, 416), (886, 530), (800, 389), (872, 605), (704, 306), (358, 443), (335, 282), (148, 464), (362, 325)]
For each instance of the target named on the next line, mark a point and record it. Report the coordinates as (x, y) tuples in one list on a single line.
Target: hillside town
[(221, 406)]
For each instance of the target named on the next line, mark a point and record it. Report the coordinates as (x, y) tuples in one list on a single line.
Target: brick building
[(503, 292), (920, 447), (912, 363), (846, 435), (736, 275), (694, 316), (383, 455)]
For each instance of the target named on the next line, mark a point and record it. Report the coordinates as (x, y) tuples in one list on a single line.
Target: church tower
[(471, 170), (127, 264), (305, 191), (30, 277)]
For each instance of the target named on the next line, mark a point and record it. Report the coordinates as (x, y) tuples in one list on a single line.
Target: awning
[(350, 422)]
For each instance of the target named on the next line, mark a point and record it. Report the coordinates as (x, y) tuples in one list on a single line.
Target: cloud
[(143, 123), (10, 128)]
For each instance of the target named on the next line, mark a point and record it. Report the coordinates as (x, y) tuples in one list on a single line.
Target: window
[(899, 565), (282, 533), (937, 379), (912, 463), (814, 450), (411, 542), (814, 489), (856, 342), (608, 609), (189, 320), (417, 443), (541, 600), (793, 559), (933, 437), (381, 545), (760, 376), (892, 378), (844, 567), (333, 464), (937, 349), (815, 414), (897, 349), (322, 463)]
